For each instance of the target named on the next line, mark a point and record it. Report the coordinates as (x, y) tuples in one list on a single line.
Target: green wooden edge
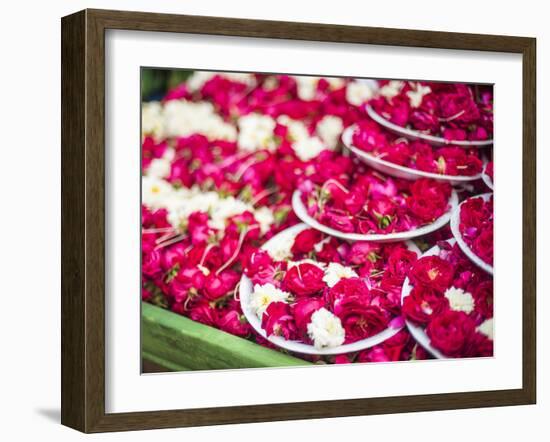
[(178, 343)]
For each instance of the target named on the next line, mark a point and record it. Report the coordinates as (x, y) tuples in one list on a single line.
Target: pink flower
[(277, 320)]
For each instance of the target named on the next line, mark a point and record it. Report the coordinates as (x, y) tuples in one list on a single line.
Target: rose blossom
[(303, 309), (432, 272), (359, 318), (277, 320), (450, 332), (304, 279)]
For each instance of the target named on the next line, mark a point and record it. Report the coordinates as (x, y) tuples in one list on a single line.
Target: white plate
[(417, 135), (301, 212), (417, 331), (245, 290), (487, 179), (396, 170), (455, 223)]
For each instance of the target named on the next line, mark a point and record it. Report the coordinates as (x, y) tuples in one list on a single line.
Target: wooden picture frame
[(83, 219)]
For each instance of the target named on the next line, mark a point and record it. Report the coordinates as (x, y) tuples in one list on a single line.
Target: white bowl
[(397, 170), (245, 291), (418, 332), (301, 212), (417, 135), (487, 179), (455, 223)]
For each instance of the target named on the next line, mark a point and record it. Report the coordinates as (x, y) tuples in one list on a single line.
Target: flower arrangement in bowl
[(447, 303), (472, 227), (311, 293), (401, 158), (367, 206), (438, 113)]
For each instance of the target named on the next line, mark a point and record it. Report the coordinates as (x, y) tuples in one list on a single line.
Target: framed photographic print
[(267, 221)]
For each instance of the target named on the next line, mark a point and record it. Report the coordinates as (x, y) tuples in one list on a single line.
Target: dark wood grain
[(83, 219)]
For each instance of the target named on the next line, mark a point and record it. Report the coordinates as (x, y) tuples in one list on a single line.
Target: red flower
[(305, 240), (304, 279), (483, 296), (422, 304), (218, 285), (302, 311), (432, 272), (347, 287), (450, 332), (277, 320), (359, 318), (400, 262), (234, 322)]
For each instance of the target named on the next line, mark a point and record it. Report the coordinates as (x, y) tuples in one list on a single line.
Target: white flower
[(329, 129), (183, 202), (160, 167), (183, 118), (417, 94), (256, 132), (155, 192), (392, 88), (358, 92), (225, 208), (152, 119), (265, 218), (265, 294), (459, 300), (296, 129), (281, 249), (325, 329), (486, 327), (307, 87), (308, 148), (335, 272)]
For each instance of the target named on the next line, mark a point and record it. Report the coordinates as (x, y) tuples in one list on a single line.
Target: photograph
[(292, 220)]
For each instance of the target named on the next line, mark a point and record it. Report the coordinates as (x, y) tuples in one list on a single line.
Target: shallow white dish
[(417, 135), (455, 223), (301, 212), (246, 288), (417, 331), (397, 170), (487, 179)]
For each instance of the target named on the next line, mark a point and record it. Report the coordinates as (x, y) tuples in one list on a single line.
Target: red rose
[(423, 303), (483, 296), (202, 312), (450, 332), (359, 319), (483, 245), (305, 240), (400, 262), (347, 287), (277, 320), (304, 279), (479, 346), (302, 311), (234, 322), (472, 214), (151, 264), (432, 272), (257, 261), (363, 251), (218, 285)]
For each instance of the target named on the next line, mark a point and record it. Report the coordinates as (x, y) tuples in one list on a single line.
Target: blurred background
[(156, 82)]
